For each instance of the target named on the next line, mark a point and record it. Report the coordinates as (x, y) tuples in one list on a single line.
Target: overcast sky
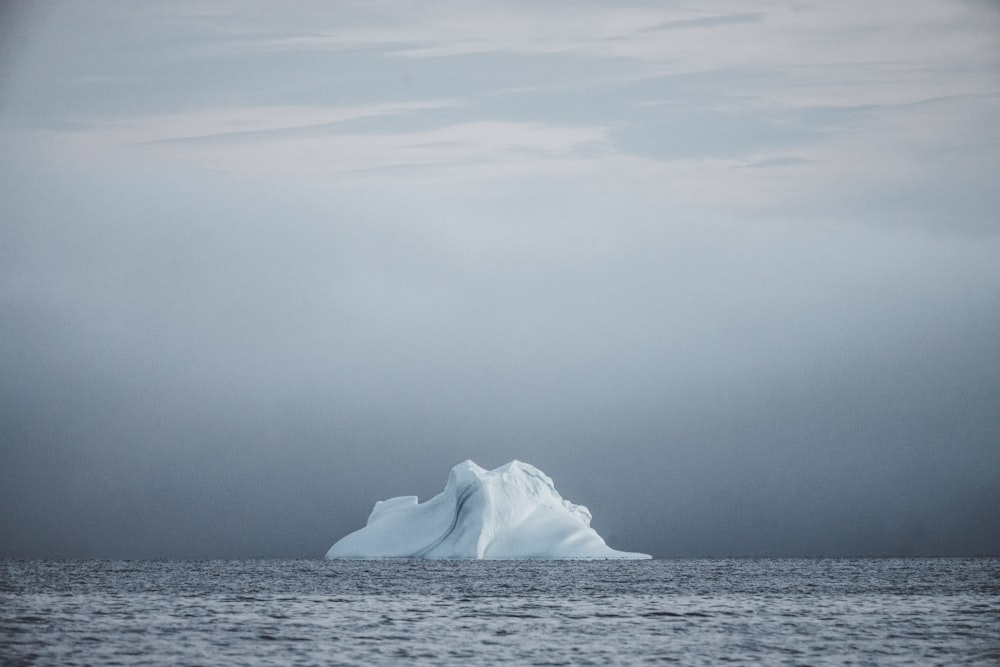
[(728, 272)]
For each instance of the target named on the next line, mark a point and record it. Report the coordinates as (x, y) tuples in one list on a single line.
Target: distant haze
[(731, 278)]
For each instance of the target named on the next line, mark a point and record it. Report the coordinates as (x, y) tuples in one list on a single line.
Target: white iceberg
[(513, 512)]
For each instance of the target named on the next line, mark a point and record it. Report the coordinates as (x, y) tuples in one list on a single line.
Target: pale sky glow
[(728, 272)]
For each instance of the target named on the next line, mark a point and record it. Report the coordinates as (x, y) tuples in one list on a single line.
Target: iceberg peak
[(511, 512)]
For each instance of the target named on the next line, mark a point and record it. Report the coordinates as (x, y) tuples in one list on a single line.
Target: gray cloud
[(217, 354)]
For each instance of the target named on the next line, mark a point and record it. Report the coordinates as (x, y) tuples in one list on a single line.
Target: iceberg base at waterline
[(512, 512)]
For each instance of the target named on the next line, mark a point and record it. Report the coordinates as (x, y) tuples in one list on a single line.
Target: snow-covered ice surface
[(512, 512)]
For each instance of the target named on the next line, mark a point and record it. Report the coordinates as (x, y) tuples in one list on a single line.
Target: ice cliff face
[(508, 513)]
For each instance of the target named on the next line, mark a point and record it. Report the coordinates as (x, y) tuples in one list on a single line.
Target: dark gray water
[(694, 612)]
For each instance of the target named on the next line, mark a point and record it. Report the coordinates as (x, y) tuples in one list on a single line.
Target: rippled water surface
[(940, 611)]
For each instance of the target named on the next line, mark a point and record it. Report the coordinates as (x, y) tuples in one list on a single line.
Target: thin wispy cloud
[(781, 161), (707, 21)]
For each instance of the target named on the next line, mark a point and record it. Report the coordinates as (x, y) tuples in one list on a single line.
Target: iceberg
[(512, 512)]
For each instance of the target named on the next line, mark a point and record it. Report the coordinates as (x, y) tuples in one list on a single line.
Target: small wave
[(31, 619), (675, 614), (277, 638)]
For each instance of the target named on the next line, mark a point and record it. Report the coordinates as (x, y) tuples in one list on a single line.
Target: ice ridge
[(511, 512)]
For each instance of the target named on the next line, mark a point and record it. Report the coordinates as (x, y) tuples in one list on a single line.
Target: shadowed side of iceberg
[(512, 512)]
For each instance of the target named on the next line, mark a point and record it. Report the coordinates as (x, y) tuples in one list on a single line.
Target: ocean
[(313, 612)]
